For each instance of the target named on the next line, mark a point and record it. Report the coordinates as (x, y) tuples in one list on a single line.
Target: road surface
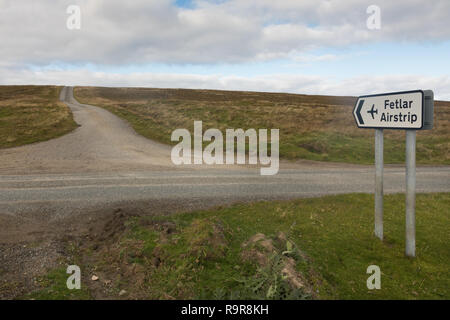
[(105, 163)]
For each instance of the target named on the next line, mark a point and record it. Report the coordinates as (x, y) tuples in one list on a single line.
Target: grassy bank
[(311, 127), (247, 251), (32, 113)]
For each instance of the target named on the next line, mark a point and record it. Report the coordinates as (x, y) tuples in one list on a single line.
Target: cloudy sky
[(300, 46)]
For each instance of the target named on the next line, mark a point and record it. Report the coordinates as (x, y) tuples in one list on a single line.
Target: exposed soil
[(33, 245), (29, 248)]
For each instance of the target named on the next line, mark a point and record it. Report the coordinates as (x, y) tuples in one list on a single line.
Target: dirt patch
[(29, 249), (137, 249), (21, 265), (50, 238), (113, 259), (32, 246)]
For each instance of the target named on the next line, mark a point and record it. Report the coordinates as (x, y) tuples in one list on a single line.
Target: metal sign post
[(408, 110), (410, 249), (379, 183)]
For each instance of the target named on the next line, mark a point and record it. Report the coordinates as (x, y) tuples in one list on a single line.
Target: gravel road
[(103, 142)]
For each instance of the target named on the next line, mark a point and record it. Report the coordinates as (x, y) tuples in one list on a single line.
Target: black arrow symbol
[(358, 112)]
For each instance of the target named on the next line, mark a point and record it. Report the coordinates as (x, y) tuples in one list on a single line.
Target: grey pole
[(410, 249), (379, 183)]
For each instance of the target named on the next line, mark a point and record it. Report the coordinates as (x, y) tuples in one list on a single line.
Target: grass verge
[(317, 248), (311, 127), (32, 113), (55, 288)]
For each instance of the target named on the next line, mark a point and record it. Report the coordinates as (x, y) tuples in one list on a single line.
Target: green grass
[(55, 288), (339, 147), (31, 114), (53, 285), (336, 232), (311, 127), (199, 254)]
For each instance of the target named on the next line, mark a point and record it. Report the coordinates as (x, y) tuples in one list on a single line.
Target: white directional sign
[(397, 110), (409, 110)]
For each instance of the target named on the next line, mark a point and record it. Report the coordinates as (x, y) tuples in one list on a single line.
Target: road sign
[(408, 110), (397, 110)]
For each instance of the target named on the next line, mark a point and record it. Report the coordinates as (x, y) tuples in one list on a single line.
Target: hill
[(311, 127)]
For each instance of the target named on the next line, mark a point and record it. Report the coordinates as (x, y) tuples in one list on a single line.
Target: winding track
[(104, 163)]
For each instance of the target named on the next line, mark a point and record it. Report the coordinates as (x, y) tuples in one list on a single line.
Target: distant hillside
[(311, 126), (32, 113)]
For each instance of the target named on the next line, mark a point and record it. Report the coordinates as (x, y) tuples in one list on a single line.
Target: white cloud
[(141, 31)]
